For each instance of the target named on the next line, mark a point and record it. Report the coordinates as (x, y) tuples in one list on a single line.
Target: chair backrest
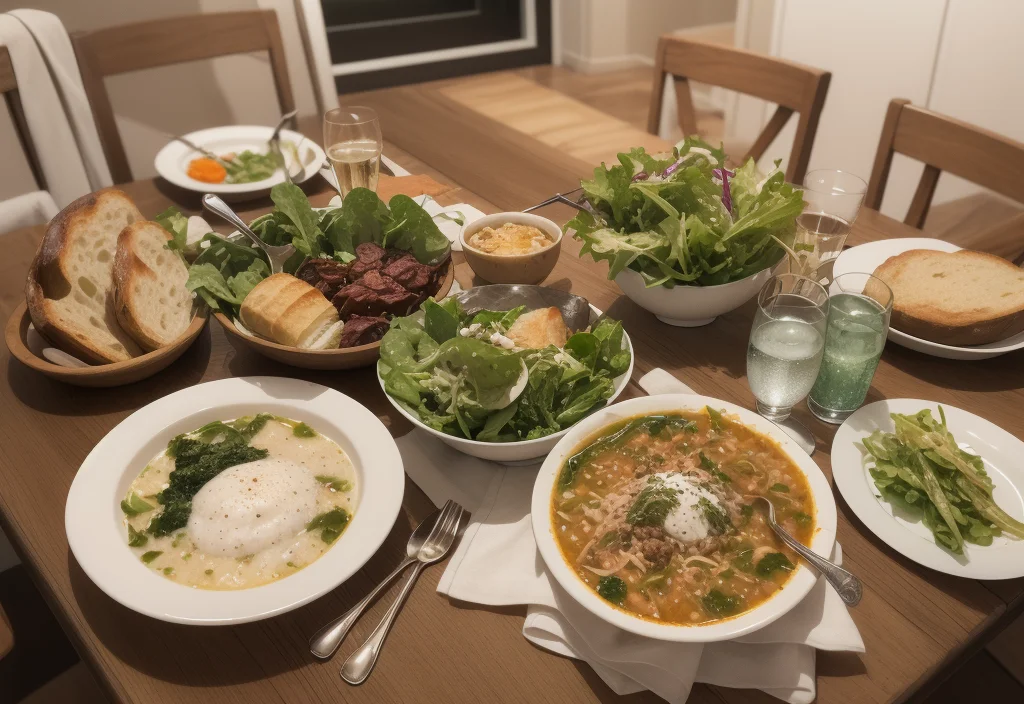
[(143, 45), (793, 87), (943, 144), (9, 88)]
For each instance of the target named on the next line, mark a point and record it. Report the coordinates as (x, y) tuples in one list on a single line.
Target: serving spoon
[(326, 641), (846, 584), (276, 255)]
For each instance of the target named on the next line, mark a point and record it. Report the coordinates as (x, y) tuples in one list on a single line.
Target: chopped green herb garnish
[(712, 466), (716, 517), (771, 562), (612, 588), (148, 557), (168, 570), (802, 518), (133, 505), (779, 488), (136, 538), (334, 483), (607, 539), (187, 556), (718, 604), (746, 510), (302, 430), (652, 505), (331, 524), (207, 572), (715, 417)]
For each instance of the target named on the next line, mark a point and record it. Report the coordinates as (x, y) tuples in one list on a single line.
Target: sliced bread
[(958, 298), (151, 301), (288, 311), (70, 287), (539, 328)]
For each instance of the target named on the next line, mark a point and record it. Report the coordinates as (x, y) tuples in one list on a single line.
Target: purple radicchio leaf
[(724, 174), (642, 176)]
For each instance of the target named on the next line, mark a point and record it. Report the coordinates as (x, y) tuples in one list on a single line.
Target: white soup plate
[(866, 258), (907, 535), (794, 590), (95, 523), (172, 161)]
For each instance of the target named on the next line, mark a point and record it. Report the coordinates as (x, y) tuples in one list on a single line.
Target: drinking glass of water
[(858, 321), (353, 144), (786, 343), (833, 199)]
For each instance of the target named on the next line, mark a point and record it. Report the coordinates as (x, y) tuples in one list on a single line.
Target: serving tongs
[(579, 203)]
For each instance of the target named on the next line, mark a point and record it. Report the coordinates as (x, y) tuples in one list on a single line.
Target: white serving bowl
[(690, 306), (524, 451), (777, 605), (94, 520)]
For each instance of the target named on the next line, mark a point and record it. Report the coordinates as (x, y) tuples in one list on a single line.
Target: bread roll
[(288, 311), (539, 328)]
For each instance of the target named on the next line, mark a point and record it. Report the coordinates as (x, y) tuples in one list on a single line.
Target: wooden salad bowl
[(341, 358), (99, 375)]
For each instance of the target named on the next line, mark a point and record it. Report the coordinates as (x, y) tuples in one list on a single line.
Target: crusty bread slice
[(539, 328), (958, 298), (70, 291), (150, 298), (287, 310), (326, 338)]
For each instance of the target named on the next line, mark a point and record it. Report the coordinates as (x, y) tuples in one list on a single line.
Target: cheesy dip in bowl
[(512, 248)]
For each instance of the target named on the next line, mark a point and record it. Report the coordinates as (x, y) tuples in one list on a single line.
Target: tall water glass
[(353, 143), (786, 342), (833, 199), (858, 322)]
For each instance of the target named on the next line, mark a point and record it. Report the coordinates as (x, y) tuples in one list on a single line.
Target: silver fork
[(360, 663), (274, 143), (277, 255)]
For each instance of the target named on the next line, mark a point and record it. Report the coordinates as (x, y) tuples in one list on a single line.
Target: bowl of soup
[(512, 248), (644, 513)]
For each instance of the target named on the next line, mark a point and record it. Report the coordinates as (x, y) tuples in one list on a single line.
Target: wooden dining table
[(918, 625)]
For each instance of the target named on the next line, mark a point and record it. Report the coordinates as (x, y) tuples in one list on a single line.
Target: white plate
[(93, 517), (172, 161), (779, 604), (868, 257), (1004, 559), (525, 451)]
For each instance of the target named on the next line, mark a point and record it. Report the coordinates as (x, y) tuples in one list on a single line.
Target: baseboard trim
[(600, 64)]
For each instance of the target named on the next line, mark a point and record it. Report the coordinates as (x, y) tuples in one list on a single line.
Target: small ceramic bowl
[(529, 268)]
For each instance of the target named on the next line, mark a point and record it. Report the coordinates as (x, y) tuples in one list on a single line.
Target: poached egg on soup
[(240, 503)]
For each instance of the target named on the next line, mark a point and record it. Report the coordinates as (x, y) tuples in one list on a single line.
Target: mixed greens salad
[(684, 219), (227, 270), (921, 469), (469, 387)]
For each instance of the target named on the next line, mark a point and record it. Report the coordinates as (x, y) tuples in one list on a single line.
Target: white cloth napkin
[(497, 564), (59, 118)]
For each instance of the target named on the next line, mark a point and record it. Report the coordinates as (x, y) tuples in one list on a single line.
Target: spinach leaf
[(301, 430), (330, 524), (653, 504), (779, 488), (334, 482), (771, 562), (362, 218), (439, 322), (717, 518), (720, 605), (302, 223), (612, 588), (411, 228), (136, 538)]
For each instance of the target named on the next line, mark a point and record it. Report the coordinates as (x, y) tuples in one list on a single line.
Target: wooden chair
[(154, 43), (944, 144), (9, 88), (793, 87)]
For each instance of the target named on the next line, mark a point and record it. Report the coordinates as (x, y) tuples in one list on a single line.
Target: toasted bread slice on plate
[(539, 328), (70, 288), (954, 298), (151, 301)]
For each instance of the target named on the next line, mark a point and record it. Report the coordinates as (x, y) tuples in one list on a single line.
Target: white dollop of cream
[(687, 522), (253, 506)]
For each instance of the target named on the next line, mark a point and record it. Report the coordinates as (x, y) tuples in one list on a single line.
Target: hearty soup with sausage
[(656, 515)]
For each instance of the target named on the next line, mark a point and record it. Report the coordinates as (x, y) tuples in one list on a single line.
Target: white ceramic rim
[(550, 227), (618, 382), (93, 517), (799, 584), (868, 257), (1004, 559), (172, 160)]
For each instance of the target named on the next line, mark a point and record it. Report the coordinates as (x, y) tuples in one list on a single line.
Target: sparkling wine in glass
[(353, 143)]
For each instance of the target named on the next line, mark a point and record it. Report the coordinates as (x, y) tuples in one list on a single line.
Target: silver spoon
[(360, 663), (845, 583), (326, 641), (276, 255)]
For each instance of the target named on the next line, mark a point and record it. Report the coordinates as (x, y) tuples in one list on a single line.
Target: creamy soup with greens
[(655, 514), (240, 503)]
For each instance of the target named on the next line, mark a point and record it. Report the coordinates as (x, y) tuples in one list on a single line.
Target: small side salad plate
[(868, 257), (904, 526), (193, 548), (303, 158)]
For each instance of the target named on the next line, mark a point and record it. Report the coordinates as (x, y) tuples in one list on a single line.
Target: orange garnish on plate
[(206, 170)]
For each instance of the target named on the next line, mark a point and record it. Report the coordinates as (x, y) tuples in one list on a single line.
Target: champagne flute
[(353, 143)]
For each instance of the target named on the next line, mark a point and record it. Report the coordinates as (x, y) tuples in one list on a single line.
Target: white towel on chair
[(36, 208), (59, 118)]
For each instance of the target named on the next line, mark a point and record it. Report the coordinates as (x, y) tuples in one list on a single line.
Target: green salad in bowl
[(501, 384)]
